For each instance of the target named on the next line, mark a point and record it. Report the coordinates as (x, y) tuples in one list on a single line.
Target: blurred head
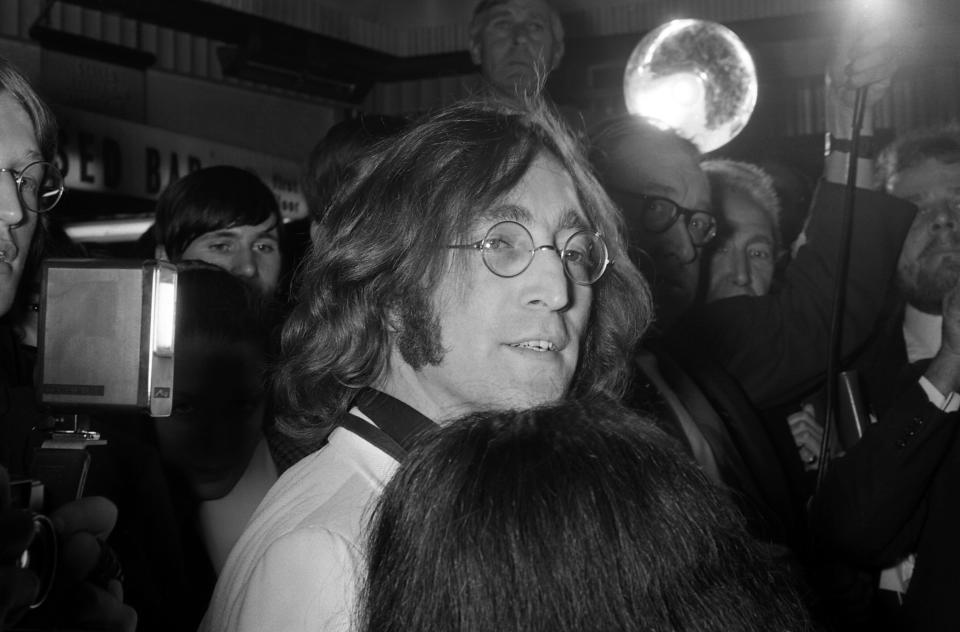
[(220, 390), (385, 301), (578, 516), (227, 217), (744, 255), (651, 172), (923, 167), (29, 134), (335, 162), (516, 43)]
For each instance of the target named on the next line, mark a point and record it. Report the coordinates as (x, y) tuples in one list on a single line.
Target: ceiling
[(338, 49)]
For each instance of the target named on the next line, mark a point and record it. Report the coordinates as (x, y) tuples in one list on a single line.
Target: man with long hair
[(477, 264), (31, 185)]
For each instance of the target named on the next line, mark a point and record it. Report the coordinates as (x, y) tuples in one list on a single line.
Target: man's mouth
[(536, 345)]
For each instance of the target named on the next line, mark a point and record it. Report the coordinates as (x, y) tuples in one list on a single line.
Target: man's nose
[(244, 264), (741, 267), (547, 284), (11, 211), (679, 245), (946, 215), (521, 32)]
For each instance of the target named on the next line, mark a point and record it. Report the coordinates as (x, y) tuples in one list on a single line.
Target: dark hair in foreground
[(209, 199), (571, 517), (335, 161), (215, 304), (381, 252)]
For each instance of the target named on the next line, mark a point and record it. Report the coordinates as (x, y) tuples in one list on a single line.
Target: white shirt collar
[(922, 333)]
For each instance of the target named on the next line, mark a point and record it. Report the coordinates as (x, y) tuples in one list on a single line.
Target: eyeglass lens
[(508, 250), (40, 185), (659, 214)]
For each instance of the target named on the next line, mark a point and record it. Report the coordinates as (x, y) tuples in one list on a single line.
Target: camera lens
[(41, 556)]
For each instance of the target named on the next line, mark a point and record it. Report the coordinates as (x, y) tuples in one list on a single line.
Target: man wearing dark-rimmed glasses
[(725, 360)]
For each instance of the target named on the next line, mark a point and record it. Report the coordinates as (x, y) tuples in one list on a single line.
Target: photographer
[(28, 132)]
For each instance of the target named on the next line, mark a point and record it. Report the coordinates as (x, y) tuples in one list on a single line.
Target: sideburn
[(418, 337)]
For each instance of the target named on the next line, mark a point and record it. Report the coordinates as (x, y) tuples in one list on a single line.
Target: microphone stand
[(840, 286)]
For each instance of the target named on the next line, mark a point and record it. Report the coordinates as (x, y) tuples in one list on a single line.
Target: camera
[(41, 556)]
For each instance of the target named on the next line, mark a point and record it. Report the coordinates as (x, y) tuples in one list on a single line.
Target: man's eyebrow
[(764, 239), (573, 218), (503, 213), (220, 232), (29, 156)]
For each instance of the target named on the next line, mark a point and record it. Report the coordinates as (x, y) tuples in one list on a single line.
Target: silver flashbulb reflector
[(695, 77)]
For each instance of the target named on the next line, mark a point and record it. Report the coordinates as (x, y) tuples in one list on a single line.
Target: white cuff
[(949, 403)]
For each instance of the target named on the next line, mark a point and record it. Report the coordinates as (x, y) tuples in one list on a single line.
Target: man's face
[(515, 48), (215, 426), (504, 342), (18, 148), (249, 252), (929, 264), (659, 165), (743, 263)]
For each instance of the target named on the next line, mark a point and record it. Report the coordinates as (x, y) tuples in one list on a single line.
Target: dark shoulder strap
[(372, 435)]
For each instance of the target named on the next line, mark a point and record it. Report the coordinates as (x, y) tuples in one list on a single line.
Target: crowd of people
[(509, 376)]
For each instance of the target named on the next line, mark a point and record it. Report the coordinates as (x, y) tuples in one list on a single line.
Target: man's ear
[(161, 253), (557, 55), (476, 52)]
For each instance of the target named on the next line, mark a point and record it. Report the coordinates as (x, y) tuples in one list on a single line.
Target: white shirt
[(223, 520), (297, 565)]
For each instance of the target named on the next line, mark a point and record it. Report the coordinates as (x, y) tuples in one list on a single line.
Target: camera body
[(105, 338), (41, 556)]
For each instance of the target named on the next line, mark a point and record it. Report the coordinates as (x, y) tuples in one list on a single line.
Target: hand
[(93, 601), (807, 434), (944, 370), (867, 58), (18, 587), (82, 595)]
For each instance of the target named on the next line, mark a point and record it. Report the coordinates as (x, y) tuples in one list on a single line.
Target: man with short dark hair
[(476, 264), (516, 43), (227, 217)]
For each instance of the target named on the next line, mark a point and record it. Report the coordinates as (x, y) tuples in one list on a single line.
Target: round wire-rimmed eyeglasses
[(39, 185), (507, 250)]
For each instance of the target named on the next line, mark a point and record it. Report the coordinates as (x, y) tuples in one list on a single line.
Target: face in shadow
[(219, 401)]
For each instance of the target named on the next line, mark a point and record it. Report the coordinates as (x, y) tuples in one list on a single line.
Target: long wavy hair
[(571, 517), (381, 243), (45, 129)]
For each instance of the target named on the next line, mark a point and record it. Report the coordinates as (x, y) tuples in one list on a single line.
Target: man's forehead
[(531, 7), (929, 177)]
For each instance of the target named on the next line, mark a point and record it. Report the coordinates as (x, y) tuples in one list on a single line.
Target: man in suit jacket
[(890, 502), (774, 346)]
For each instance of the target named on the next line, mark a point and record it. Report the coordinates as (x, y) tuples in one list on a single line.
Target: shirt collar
[(401, 422), (922, 333)]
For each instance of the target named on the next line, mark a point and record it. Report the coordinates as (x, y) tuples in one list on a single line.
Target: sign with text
[(107, 155)]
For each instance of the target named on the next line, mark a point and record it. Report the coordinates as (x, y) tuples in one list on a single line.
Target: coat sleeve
[(873, 500), (776, 345)]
